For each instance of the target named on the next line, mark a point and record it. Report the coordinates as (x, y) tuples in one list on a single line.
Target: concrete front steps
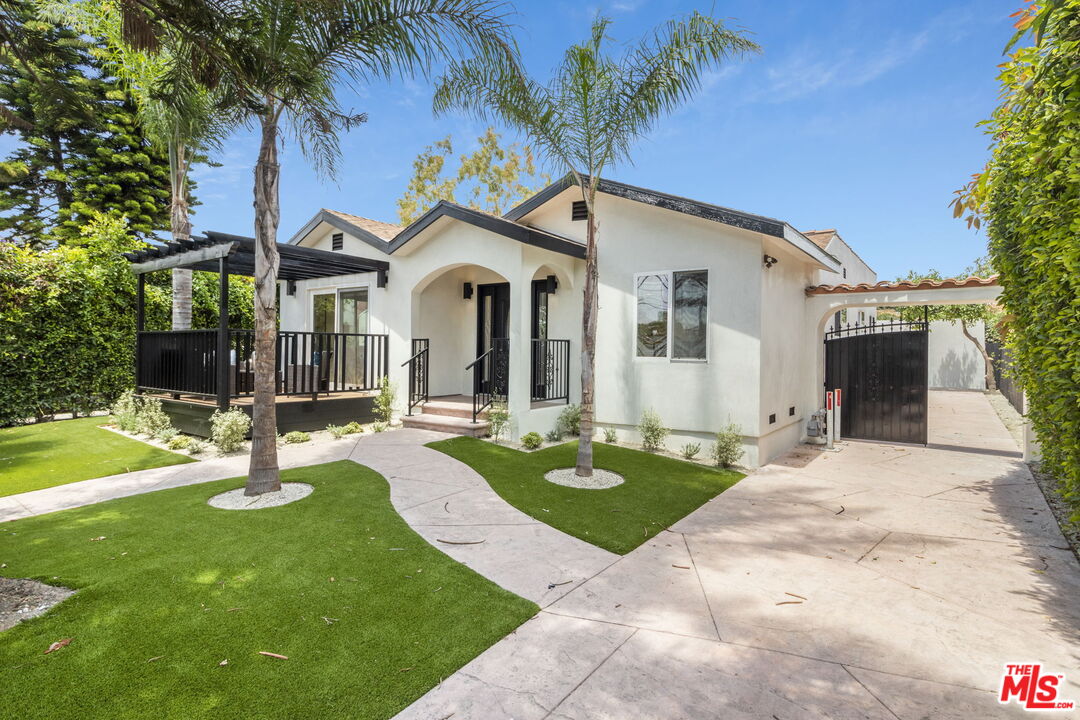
[(448, 414)]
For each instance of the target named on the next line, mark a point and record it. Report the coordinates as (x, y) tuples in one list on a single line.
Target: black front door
[(540, 293), (492, 331)]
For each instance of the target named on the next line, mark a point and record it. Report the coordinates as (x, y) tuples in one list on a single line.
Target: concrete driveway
[(876, 582)]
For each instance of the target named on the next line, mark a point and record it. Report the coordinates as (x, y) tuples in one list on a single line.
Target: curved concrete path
[(441, 498)]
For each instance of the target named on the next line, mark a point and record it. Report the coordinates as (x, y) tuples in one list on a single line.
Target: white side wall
[(854, 271), (955, 362)]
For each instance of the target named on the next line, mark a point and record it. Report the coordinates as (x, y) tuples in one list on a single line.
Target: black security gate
[(881, 370)]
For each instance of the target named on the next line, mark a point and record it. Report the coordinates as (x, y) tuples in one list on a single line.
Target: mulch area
[(22, 599)]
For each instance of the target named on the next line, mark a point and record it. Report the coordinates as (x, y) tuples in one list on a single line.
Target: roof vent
[(337, 241), (579, 211)]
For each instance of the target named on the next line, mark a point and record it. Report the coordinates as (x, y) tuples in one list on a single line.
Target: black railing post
[(223, 335)]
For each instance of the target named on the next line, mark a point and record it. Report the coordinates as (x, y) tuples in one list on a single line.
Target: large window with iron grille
[(672, 314)]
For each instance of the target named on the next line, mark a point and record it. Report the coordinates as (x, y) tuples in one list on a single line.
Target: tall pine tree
[(81, 149)]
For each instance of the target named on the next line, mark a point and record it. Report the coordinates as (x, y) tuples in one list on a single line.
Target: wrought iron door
[(881, 370), (492, 331)]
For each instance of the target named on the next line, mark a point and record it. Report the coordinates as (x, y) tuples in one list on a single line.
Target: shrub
[(499, 420), (229, 428), (378, 427), (179, 442), (125, 412), (385, 400), (166, 435), (196, 446), (152, 420), (569, 422), (728, 449), (297, 436), (352, 428), (532, 440), (553, 436), (690, 450), (611, 436), (652, 431), (336, 431)]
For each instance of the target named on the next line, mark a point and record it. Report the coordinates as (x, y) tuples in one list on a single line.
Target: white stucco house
[(702, 309)]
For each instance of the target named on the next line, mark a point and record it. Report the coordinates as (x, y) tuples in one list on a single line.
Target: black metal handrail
[(418, 373), (490, 376), (550, 370), (186, 362)]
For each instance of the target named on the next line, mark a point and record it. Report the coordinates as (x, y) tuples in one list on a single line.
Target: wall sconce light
[(467, 292), (290, 287), (552, 284), (770, 261)]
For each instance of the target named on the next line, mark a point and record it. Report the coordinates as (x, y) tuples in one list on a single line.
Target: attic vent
[(579, 211), (845, 272), (337, 241)]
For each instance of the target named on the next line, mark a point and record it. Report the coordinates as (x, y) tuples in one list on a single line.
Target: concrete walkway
[(444, 500), (877, 582)]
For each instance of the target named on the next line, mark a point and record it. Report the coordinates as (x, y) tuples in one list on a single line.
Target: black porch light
[(552, 283), (467, 291)]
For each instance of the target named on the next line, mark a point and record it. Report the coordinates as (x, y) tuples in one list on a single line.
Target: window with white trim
[(672, 314)]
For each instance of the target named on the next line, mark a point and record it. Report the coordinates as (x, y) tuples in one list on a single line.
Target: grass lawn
[(369, 614), (56, 453), (657, 492)]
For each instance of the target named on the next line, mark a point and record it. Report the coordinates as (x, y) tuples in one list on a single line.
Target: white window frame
[(671, 317), (336, 292)]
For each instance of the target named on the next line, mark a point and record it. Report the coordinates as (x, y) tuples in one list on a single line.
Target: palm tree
[(282, 73), (587, 117), (175, 111)]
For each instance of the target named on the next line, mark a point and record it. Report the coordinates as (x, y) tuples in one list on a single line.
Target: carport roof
[(903, 285)]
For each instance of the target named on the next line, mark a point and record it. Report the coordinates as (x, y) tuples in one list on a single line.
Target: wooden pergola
[(235, 255)]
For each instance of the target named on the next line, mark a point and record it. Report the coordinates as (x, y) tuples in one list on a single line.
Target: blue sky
[(858, 115)]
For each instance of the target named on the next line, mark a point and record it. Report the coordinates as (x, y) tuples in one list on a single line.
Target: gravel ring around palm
[(600, 480), (236, 500)]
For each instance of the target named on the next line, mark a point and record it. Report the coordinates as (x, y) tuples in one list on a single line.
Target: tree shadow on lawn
[(369, 615)]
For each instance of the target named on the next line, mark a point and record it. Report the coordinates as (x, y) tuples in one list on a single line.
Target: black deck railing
[(550, 370), (307, 363), (491, 376), (418, 373)]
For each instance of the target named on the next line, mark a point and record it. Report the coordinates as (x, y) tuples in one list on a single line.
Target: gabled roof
[(716, 213), (821, 238), (493, 223), (374, 233)]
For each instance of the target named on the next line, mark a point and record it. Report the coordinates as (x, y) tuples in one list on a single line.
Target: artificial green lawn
[(658, 490), (56, 453), (191, 585)]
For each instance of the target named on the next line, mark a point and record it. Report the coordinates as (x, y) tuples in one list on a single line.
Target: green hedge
[(67, 321), (1029, 197)]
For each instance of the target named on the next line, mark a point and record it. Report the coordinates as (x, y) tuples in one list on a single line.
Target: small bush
[(690, 450), (353, 428), (296, 436), (728, 446), (196, 446), (152, 420), (499, 420), (228, 429), (553, 436), (532, 440), (166, 435), (125, 412), (379, 427), (180, 442), (652, 431), (385, 400), (336, 431), (611, 436), (569, 422)]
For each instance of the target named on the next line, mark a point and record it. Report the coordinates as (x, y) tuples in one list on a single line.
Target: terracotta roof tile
[(820, 238), (381, 230), (903, 285)]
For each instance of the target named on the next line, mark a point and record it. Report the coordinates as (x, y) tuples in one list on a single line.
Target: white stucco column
[(520, 332)]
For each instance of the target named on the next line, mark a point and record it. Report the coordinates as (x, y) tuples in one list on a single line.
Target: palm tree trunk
[(988, 362), (181, 230), (588, 345), (263, 474)]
